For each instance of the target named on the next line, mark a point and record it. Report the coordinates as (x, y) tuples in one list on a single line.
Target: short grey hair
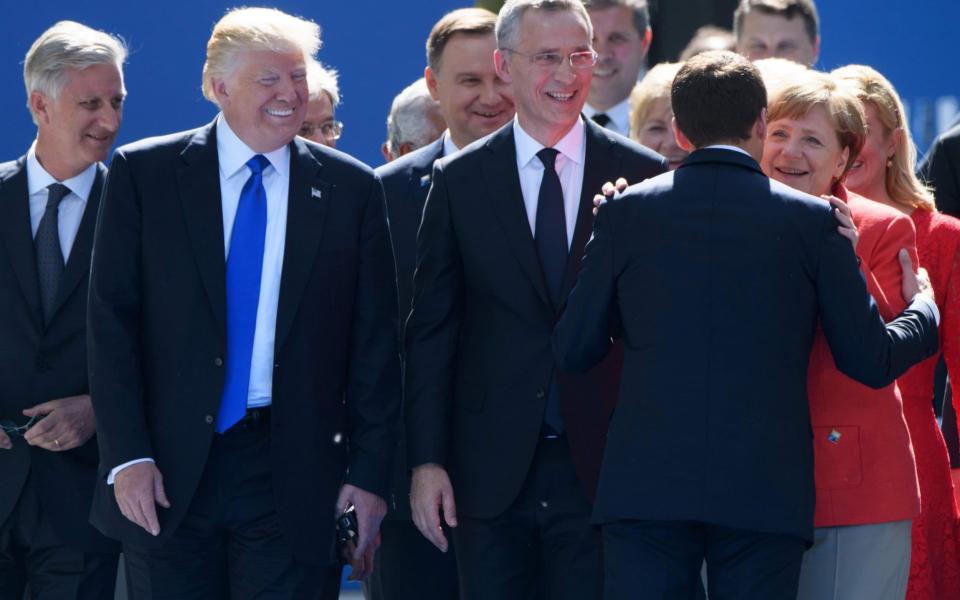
[(322, 79), (64, 46), (409, 118), (508, 21)]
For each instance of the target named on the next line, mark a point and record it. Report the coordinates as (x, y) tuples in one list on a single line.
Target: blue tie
[(244, 266)]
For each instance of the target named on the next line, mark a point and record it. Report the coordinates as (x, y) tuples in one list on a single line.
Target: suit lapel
[(18, 237), (78, 263), (602, 163), (421, 174), (309, 197), (199, 184), (503, 181)]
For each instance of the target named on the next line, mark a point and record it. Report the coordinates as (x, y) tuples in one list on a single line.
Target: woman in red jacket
[(866, 481), (884, 172)]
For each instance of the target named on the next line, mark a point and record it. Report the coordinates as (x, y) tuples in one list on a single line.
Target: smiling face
[(79, 127), (474, 100), (264, 98), (765, 35), (656, 132), (869, 170), (804, 152), (621, 50), (548, 99)]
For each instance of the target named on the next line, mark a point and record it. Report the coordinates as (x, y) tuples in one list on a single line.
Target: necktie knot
[(548, 156), (258, 163), (55, 193)]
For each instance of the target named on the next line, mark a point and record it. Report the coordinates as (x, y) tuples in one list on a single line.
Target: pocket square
[(315, 193), (425, 181)]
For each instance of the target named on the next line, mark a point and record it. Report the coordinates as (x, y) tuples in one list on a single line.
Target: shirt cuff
[(925, 299), (115, 470)]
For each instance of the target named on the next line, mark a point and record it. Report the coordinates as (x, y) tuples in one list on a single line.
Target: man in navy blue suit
[(715, 265)]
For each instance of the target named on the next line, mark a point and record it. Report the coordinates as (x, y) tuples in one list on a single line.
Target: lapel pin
[(425, 180), (834, 436), (315, 193)]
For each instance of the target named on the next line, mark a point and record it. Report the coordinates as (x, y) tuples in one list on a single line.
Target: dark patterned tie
[(551, 239), (46, 244), (601, 119)]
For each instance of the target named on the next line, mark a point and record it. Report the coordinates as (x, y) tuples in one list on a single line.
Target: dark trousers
[(33, 557), (230, 544), (661, 560), (540, 547), (408, 567)]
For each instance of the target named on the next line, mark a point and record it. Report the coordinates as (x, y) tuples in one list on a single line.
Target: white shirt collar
[(38, 178), (233, 153), (726, 147), (448, 146), (570, 145), (619, 113)]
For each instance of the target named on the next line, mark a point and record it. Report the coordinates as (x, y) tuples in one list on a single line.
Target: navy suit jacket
[(157, 332), (716, 266)]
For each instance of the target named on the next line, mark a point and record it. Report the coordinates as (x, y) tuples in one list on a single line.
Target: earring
[(889, 162)]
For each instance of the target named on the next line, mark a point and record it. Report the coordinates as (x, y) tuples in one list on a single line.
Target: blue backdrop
[(378, 48)]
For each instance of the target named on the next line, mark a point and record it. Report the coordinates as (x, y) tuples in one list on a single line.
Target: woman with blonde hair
[(866, 482), (884, 172), (651, 116)]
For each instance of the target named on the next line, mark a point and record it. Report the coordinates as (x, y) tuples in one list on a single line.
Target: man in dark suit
[(941, 169), (474, 102), (244, 363), (717, 266), (489, 418), (48, 208)]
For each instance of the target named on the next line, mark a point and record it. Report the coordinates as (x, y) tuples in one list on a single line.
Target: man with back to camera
[(48, 208), (621, 37), (474, 101), (501, 441), (243, 349), (717, 266), (787, 29)]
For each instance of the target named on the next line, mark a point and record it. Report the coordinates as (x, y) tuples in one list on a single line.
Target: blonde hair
[(780, 73), (246, 29), (844, 110), (654, 86), (900, 178), (67, 45)]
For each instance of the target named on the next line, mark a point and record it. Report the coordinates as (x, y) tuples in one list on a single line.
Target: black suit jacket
[(717, 266), (478, 338), (406, 182), (157, 332), (40, 363), (941, 169)]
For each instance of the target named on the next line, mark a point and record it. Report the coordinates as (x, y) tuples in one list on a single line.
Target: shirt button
[(218, 361), (208, 419)]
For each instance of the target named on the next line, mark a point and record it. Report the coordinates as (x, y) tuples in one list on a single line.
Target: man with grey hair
[(243, 349), (621, 37), (320, 124), (414, 121), (504, 447), (48, 207)]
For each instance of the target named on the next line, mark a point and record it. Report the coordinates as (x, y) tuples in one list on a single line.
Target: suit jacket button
[(541, 394), (208, 419), (218, 361)]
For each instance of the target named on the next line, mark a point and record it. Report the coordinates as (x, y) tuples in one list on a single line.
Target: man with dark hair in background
[(474, 101), (621, 38), (716, 266), (778, 29), (48, 208)]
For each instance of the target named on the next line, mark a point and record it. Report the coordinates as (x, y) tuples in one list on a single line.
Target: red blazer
[(863, 460)]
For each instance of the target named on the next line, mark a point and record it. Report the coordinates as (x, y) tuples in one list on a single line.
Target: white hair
[(409, 119), (322, 79), (246, 29), (508, 21), (64, 46)]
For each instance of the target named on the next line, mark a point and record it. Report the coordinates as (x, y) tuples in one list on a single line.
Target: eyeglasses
[(583, 59), (13, 430), (330, 130)]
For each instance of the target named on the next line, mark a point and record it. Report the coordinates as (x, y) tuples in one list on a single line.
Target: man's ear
[(385, 150), (816, 51), (760, 128), (39, 106), (682, 140), (502, 65), (220, 92), (431, 78), (647, 38)]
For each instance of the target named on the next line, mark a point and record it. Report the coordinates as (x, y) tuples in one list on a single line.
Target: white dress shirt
[(572, 150), (619, 116), (70, 211), (448, 146), (233, 154)]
